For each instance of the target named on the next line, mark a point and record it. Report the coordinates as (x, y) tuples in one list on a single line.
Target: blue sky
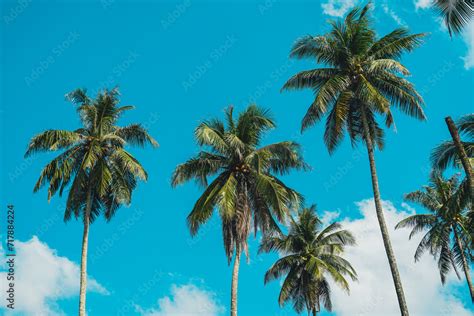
[(180, 63)]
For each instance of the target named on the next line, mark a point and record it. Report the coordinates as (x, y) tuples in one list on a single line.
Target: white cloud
[(42, 278), (185, 300), (393, 15), (337, 8), (468, 36), (374, 293), (423, 4), (329, 217), (442, 25)]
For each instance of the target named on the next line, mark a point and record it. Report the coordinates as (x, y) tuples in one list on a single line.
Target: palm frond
[(52, 140), (136, 134), (456, 14), (201, 167)]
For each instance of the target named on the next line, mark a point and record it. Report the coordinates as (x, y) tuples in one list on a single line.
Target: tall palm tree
[(456, 13), (310, 253), (93, 160), (361, 78), (447, 237), (457, 152), (245, 186)]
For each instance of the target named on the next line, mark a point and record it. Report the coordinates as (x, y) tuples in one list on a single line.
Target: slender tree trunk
[(85, 241), (464, 264), (315, 313), (453, 130), (235, 282), (381, 219)]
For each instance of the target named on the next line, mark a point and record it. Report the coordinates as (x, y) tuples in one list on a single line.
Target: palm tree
[(245, 187), (456, 13), (309, 253), (447, 237), (361, 78), (93, 160), (457, 152)]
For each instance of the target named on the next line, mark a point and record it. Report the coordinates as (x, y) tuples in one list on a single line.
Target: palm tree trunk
[(235, 282), (381, 219), (464, 264), (85, 242), (453, 130)]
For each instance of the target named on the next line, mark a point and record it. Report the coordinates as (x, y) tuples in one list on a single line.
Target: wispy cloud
[(468, 37), (42, 277), (329, 217), (337, 8), (423, 4), (185, 300), (390, 12), (370, 295)]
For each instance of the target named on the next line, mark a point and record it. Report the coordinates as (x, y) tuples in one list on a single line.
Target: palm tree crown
[(446, 155), (309, 253), (245, 187), (362, 77), (445, 222), (93, 158)]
